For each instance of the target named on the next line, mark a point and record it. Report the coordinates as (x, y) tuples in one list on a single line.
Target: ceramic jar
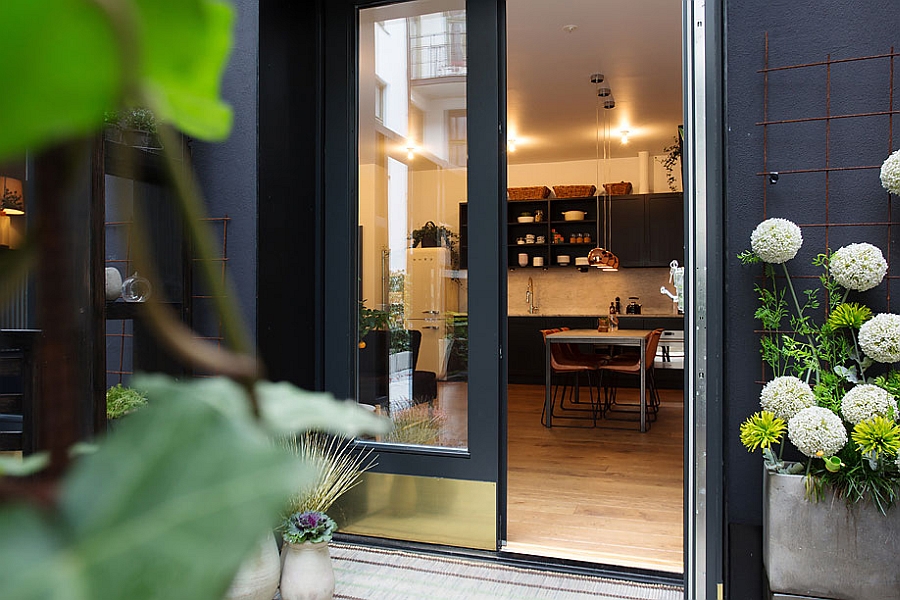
[(307, 573), (113, 283), (259, 574)]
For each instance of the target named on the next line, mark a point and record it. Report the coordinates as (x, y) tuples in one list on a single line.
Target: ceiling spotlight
[(569, 28), (597, 78), (603, 91), (609, 102)]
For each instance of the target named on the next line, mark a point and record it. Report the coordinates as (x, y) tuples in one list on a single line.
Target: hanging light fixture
[(600, 257)]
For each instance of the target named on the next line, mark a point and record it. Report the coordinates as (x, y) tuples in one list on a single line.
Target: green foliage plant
[(122, 400), (371, 319), (671, 160), (171, 502)]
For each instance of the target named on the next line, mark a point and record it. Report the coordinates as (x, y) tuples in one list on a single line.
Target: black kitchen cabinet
[(665, 229), (644, 230), (627, 224), (525, 349), (647, 230), (525, 343), (561, 237)]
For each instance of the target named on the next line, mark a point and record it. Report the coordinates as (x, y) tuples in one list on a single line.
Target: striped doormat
[(363, 573)]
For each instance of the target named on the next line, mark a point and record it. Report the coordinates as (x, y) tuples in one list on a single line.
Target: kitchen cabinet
[(647, 230), (665, 229), (561, 237), (644, 230)]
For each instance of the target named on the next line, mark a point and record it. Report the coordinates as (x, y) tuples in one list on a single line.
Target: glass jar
[(136, 289)]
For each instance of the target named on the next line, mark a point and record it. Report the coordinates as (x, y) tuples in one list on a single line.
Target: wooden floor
[(610, 496)]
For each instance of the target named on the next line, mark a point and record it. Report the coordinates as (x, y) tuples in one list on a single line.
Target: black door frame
[(300, 46), (308, 126)]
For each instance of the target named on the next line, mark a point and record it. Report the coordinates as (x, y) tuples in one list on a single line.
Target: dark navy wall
[(227, 171), (799, 31)]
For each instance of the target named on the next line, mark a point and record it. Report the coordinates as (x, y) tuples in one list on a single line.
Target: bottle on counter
[(613, 317), (618, 306)]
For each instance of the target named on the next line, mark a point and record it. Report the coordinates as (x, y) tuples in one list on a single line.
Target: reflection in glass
[(413, 354)]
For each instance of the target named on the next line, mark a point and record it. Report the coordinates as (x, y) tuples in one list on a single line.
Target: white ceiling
[(552, 104)]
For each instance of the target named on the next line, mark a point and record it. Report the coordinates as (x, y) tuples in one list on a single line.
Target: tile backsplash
[(569, 292)]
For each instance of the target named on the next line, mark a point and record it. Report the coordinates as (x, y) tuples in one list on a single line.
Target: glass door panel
[(412, 150)]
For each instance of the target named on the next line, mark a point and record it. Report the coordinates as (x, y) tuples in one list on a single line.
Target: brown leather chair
[(565, 362), (631, 365)]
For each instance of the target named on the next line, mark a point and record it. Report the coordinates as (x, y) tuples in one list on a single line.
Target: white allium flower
[(776, 240), (879, 338), (786, 396), (817, 431), (867, 401), (858, 267), (890, 173)]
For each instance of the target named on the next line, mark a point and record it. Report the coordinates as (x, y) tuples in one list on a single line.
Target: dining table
[(619, 337)]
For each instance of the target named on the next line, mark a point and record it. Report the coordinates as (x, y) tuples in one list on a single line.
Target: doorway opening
[(595, 100)]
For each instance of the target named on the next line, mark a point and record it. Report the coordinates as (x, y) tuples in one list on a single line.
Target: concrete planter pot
[(827, 550)]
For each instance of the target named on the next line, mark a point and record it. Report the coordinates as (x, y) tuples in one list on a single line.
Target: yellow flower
[(849, 314), (876, 437), (761, 430)]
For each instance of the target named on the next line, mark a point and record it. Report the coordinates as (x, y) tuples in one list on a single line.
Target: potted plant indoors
[(829, 527), (671, 160), (430, 235), (307, 572)]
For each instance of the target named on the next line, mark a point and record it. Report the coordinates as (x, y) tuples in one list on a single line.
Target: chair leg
[(573, 391)]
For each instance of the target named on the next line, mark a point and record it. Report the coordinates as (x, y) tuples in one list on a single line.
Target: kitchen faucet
[(529, 297)]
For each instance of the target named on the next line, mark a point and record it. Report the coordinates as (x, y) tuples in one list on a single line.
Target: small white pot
[(307, 573), (574, 215)]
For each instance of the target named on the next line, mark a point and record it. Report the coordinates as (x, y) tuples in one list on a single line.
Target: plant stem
[(812, 347), (778, 368), (857, 355)]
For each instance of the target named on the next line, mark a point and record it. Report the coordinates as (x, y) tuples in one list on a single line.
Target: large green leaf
[(285, 408), (36, 564), (167, 507), (63, 66), (61, 69), (184, 48)]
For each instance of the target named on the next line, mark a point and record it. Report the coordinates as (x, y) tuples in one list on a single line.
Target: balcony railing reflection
[(437, 55)]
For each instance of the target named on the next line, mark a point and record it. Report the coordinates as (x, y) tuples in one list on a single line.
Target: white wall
[(585, 172)]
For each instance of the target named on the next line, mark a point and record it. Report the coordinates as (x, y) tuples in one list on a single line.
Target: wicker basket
[(617, 189), (537, 192), (574, 191)]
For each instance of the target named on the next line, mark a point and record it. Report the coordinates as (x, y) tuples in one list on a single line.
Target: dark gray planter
[(825, 549)]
